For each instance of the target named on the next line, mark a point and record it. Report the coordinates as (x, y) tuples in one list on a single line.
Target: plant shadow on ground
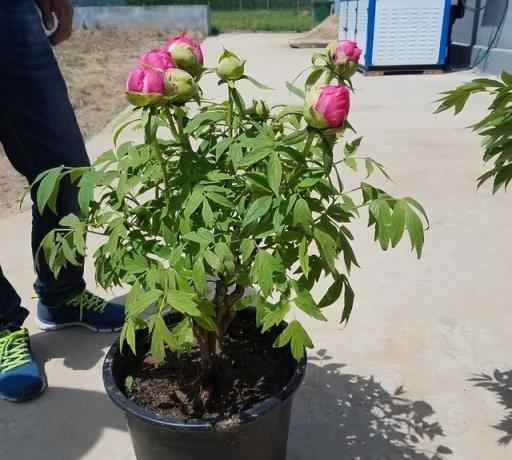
[(80, 349), (501, 384), (340, 416), (62, 424), (337, 416)]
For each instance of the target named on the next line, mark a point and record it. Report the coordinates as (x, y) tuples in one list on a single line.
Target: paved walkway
[(394, 384)]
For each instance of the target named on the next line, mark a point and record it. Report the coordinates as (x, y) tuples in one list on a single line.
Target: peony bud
[(345, 57), (135, 80), (230, 67), (144, 86), (346, 49), (156, 59), (259, 109), (185, 58), (186, 53), (145, 81), (327, 106), (180, 85)]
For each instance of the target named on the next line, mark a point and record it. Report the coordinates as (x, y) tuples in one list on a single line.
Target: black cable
[(479, 59), (473, 9)]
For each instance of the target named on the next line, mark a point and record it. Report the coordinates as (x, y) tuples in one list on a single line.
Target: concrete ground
[(393, 384)]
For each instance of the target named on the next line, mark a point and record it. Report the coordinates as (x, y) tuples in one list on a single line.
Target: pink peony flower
[(145, 81), (182, 39), (156, 59), (346, 49), (327, 106)]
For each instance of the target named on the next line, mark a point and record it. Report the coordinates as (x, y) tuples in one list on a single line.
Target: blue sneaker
[(20, 376), (85, 310)]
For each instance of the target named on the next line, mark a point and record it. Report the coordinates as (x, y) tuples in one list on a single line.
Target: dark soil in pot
[(252, 371)]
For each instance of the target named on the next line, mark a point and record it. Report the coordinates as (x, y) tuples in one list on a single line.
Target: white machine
[(397, 33)]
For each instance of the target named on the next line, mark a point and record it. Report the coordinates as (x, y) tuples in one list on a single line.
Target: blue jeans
[(38, 131)]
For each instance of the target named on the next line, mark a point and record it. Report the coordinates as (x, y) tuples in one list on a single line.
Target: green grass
[(260, 20)]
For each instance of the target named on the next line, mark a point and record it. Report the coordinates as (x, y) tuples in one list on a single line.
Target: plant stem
[(183, 138), (305, 152), (151, 139), (219, 300), (230, 112), (225, 314), (172, 125), (309, 142), (202, 337), (328, 77), (164, 169)]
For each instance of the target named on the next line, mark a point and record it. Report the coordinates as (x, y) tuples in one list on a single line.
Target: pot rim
[(191, 424)]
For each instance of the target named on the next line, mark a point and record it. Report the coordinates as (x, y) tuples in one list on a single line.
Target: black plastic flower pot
[(259, 433)]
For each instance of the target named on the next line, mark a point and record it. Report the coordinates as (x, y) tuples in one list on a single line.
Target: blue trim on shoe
[(92, 313), (21, 378), (32, 389)]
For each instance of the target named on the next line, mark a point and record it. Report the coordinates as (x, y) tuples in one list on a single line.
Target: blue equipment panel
[(397, 33)]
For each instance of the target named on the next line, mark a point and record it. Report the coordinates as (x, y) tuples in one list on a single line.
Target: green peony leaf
[(302, 215), (141, 301), (307, 304), (246, 249), (263, 269), (183, 302), (274, 173), (297, 337), (304, 257), (46, 187), (327, 247), (257, 209)]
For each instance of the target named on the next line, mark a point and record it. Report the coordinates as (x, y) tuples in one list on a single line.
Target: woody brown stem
[(226, 314), (202, 339), (209, 342)]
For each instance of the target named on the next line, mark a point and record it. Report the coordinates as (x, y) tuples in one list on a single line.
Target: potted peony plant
[(219, 224)]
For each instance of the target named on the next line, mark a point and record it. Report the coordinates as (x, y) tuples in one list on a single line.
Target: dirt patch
[(94, 63), (327, 29), (252, 370), (319, 36)]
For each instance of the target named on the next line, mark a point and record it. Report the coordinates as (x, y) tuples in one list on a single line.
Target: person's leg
[(38, 129), (11, 311)]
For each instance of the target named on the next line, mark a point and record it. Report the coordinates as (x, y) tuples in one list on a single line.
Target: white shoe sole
[(45, 326)]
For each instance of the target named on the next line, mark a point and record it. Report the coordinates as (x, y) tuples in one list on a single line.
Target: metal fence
[(214, 4)]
